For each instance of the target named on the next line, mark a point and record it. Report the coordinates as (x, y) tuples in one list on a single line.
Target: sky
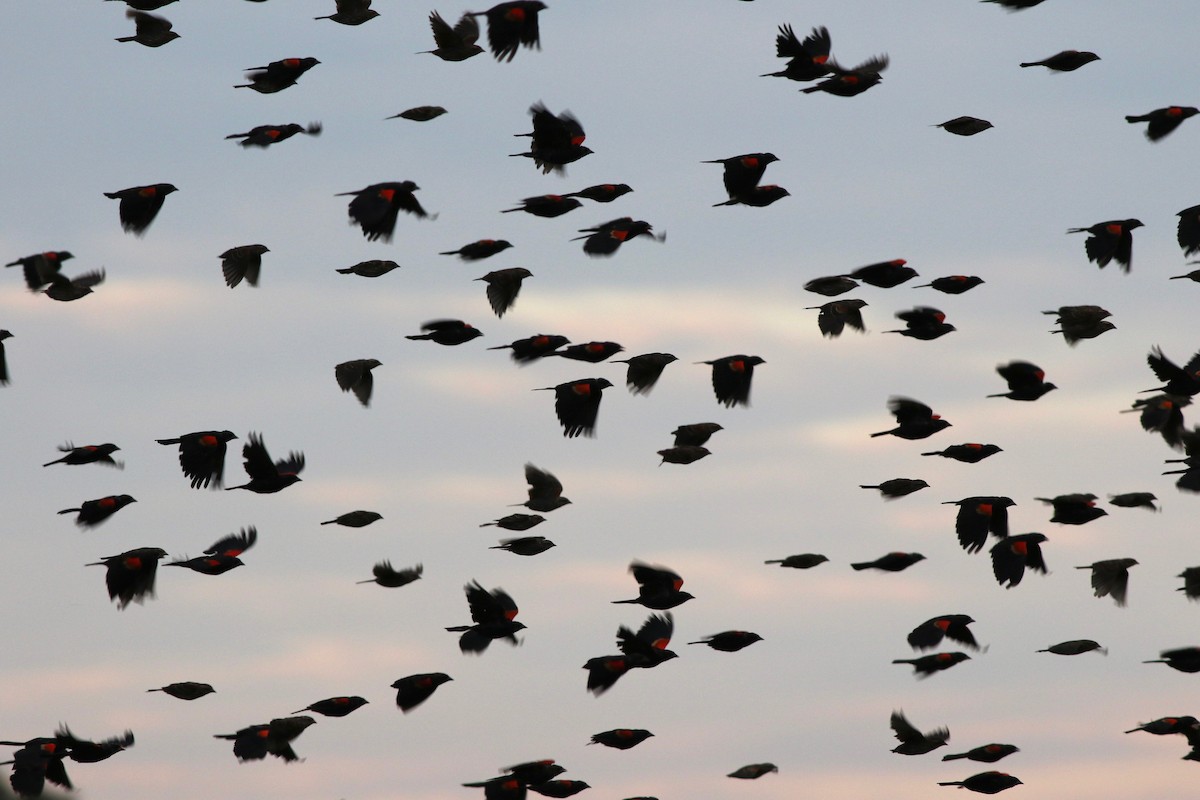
[(163, 348)]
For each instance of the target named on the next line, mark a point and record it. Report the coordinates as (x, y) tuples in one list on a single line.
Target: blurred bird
[(1191, 583), (914, 419), (352, 12), (1026, 381), (560, 787), (1134, 500), (66, 289), (375, 208), (849, 82), (1187, 232), (729, 641), (977, 517), (885, 274), (591, 352), (576, 404), (731, 377), (753, 771), (685, 454), (370, 269), (1012, 555), (266, 135), (254, 742), (355, 519), (605, 239), (146, 5), (1073, 509), (1110, 240), (923, 322), (807, 58), (93, 512), (696, 434), (512, 24), (494, 615), (1111, 577), (891, 562), (1014, 5), (335, 706), (40, 268), (602, 192), (964, 126), (968, 453), (413, 690), (621, 738), (743, 173), (86, 751), (800, 561), (953, 284), (836, 315), (221, 556), (517, 522), (202, 456), (525, 545), (475, 251), (447, 332), (244, 262), (897, 487), (831, 285), (149, 30), (557, 140), (1081, 322), (659, 588), (1163, 120), (990, 782), (532, 348), (140, 205), (758, 197), (1064, 61), (912, 741), (925, 666), (545, 490), (1184, 659), (929, 634), (39, 760), (267, 476), (644, 370), (88, 454), (457, 43), (278, 75), (1165, 726), (988, 753), (546, 205), (356, 376), (1075, 647), (130, 576), (186, 690), (1183, 381), (391, 578)]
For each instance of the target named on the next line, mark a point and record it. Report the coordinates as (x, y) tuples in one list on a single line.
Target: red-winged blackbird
[(1187, 233), (278, 75), (149, 30), (658, 587), (457, 43), (892, 562), (912, 741), (979, 516), (202, 456), (1012, 555), (1163, 120), (731, 377), (512, 24), (254, 742), (494, 614), (517, 522), (1075, 647), (545, 490), (1191, 583), (356, 376), (1026, 381), (546, 205), (66, 289), (1183, 381), (557, 140), (752, 771), (1081, 322), (1134, 500), (1194, 275), (39, 268), (729, 641), (621, 738), (420, 113), (645, 649), (644, 370), (1164, 726), (836, 315), (447, 332), (1182, 659), (923, 322), (1111, 577), (884, 274), (391, 578), (335, 706), (266, 135), (88, 454), (1110, 240), (807, 58), (953, 284), (964, 126), (560, 787), (591, 352), (375, 208), (503, 287), (484, 248), (534, 347), (930, 633), (576, 404), (352, 12), (93, 512), (988, 753), (602, 192), (506, 787), (831, 285), (991, 782), (849, 82), (1064, 61), (355, 519), (758, 197), (800, 561), (914, 420), (140, 205), (605, 239), (131, 574), (370, 269), (186, 690), (208, 565), (1073, 509), (413, 690), (683, 454), (525, 545), (267, 476), (37, 761), (897, 487), (969, 453), (743, 173), (222, 556), (244, 262), (696, 434), (925, 666), (86, 751)]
